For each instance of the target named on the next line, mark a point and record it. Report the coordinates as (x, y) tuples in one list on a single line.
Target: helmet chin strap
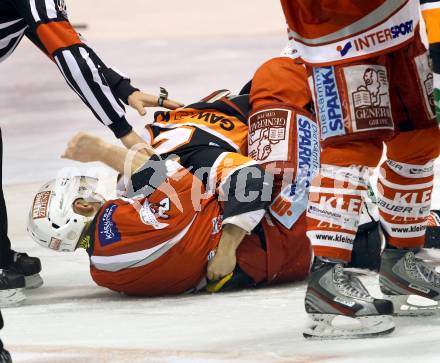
[(95, 198), (84, 239)]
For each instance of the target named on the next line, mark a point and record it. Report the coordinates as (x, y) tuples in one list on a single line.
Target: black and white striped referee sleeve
[(99, 87)]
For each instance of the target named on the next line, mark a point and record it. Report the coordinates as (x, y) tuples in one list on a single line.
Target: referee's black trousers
[(5, 244)]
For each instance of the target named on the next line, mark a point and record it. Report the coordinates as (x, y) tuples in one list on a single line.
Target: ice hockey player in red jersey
[(372, 84), (160, 244)]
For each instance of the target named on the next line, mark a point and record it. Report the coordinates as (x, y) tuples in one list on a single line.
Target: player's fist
[(221, 265), (84, 147), (139, 100)]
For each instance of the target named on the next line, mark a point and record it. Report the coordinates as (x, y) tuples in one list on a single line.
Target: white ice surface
[(70, 319)]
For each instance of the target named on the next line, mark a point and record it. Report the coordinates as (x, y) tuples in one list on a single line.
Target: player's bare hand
[(84, 147), (139, 100), (221, 265), (133, 139)]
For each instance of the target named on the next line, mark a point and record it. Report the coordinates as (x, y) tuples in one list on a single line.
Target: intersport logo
[(378, 37)]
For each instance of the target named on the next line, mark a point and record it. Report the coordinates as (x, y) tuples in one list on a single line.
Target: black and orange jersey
[(210, 139), (46, 24), (222, 123)]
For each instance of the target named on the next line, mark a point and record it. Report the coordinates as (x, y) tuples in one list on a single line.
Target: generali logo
[(266, 129), (371, 100)]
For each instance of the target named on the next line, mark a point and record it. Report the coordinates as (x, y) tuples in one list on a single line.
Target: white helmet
[(52, 221)]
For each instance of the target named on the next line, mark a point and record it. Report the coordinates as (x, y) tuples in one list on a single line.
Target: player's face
[(85, 208)]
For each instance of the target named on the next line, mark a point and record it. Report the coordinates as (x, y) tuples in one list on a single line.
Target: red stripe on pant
[(333, 213), (404, 200)]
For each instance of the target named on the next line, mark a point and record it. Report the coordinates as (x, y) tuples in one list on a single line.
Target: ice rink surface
[(70, 319)]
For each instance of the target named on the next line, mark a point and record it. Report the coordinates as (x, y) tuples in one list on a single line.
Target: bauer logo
[(368, 88), (291, 203), (41, 202), (269, 135), (329, 102), (108, 231), (344, 301)]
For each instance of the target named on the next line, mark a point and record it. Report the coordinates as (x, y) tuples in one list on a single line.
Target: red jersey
[(338, 31), (157, 245)]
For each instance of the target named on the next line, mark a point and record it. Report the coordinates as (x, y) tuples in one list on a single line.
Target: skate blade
[(325, 328), (403, 305), (11, 297), (33, 281)]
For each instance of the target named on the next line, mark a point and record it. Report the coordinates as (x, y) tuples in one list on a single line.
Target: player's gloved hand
[(85, 147), (139, 100), (221, 265)]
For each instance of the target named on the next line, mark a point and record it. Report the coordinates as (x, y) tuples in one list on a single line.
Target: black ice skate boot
[(29, 267), (11, 288), (432, 238), (334, 292), (403, 275), (5, 357)]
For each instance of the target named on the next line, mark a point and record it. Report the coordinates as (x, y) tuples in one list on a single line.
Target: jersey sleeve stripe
[(51, 10), (114, 103), (56, 35), (34, 11), (69, 79), (84, 87), (139, 258), (5, 52)]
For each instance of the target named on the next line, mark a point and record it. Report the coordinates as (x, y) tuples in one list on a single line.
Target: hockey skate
[(342, 308), (404, 277), (11, 288), (29, 267)]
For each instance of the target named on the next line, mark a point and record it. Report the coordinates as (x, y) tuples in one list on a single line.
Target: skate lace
[(346, 284), (420, 270)]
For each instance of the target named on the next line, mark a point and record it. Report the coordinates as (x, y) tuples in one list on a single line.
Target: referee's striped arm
[(11, 33), (431, 14), (82, 69)]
